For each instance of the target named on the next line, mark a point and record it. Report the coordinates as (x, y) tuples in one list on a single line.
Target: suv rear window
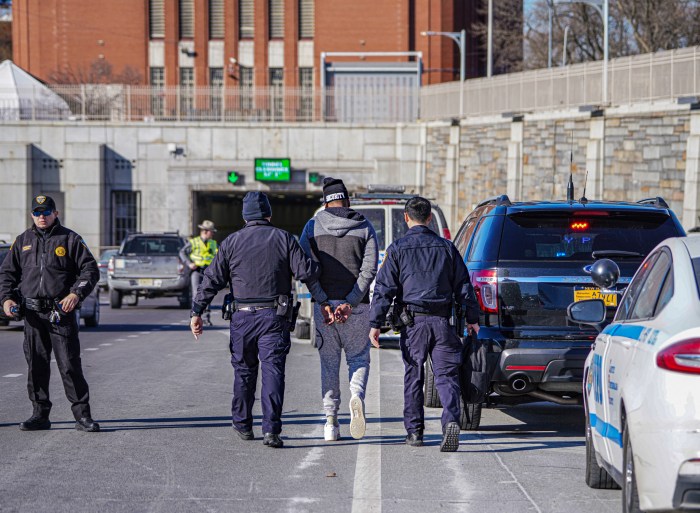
[(399, 226), (153, 246), (576, 235), (376, 218)]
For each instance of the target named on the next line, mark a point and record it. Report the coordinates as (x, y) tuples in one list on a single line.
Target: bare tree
[(100, 71), (635, 26), (507, 34)]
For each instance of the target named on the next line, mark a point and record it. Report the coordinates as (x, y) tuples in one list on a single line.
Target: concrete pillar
[(452, 178), (595, 159), (691, 198), (514, 176)]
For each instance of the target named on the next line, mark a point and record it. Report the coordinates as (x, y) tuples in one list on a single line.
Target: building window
[(277, 92), (186, 19), (156, 19), (216, 84), (216, 19), (246, 88), (186, 89), (276, 19), (126, 214), (306, 89), (157, 81), (306, 19), (246, 19)]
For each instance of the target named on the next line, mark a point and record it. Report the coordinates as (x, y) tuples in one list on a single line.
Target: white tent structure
[(24, 97)]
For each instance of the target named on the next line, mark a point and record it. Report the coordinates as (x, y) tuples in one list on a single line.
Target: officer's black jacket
[(48, 266), (258, 261), (423, 271)]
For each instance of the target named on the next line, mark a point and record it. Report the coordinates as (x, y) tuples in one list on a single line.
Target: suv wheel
[(115, 299), (470, 417), (431, 399), (630, 494), (596, 476)]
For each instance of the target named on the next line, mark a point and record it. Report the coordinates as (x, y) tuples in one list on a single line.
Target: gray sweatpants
[(353, 337)]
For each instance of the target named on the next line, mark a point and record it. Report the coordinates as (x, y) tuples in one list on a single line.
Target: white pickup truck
[(148, 265)]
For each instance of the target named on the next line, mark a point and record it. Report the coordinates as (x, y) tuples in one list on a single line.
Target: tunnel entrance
[(290, 211)]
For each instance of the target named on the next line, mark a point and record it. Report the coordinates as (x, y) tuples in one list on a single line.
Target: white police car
[(642, 384)]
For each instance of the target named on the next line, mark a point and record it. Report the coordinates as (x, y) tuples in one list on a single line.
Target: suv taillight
[(446, 233), (681, 357), (110, 266), (486, 287)]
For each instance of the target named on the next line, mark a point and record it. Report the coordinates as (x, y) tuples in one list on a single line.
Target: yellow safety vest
[(203, 252)]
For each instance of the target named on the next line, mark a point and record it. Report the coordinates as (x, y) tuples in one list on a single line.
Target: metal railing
[(640, 78), (119, 103)]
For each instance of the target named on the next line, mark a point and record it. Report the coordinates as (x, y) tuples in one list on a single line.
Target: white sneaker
[(331, 431), (357, 417)]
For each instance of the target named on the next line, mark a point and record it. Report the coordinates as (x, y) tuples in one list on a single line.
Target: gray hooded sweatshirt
[(345, 245)]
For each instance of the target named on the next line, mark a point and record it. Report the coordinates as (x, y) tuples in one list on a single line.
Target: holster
[(227, 308), (284, 308), (293, 317)]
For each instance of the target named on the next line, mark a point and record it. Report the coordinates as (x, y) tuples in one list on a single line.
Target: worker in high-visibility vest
[(198, 253)]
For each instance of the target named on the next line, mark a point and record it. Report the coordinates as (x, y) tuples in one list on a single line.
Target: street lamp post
[(602, 6), (460, 38)]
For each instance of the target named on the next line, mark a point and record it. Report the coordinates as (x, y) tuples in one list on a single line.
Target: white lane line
[(120, 340), (144, 332), (512, 475), (133, 336), (11, 375), (174, 324), (92, 349), (106, 344), (367, 492)]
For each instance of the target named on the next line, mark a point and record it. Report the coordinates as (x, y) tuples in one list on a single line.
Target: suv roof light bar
[(503, 199), (658, 201), (396, 189)]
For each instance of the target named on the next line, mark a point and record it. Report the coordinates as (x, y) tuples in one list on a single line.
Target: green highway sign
[(273, 170)]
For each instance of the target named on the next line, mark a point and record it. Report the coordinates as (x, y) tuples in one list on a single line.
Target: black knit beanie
[(256, 206), (334, 190)]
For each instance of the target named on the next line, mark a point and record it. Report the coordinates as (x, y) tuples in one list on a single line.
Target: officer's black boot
[(450, 437), (273, 440), (244, 435), (35, 423), (415, 439), (87, 424)]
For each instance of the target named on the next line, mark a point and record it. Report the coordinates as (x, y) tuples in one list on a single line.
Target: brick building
[(249, 43)]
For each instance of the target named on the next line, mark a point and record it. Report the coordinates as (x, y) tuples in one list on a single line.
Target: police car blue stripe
[(306, 295), (624, 330), (606, 430)]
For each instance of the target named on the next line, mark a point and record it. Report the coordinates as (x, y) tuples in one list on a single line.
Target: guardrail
[(639, 78)]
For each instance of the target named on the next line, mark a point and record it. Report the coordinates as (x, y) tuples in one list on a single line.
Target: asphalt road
[(163, 401)]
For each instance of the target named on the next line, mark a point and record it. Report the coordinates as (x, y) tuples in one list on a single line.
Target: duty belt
[(38, 304), (443, 311), (251, 307)]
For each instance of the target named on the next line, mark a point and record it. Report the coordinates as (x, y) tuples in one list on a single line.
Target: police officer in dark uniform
[(425, 275), (258, 261), (53, 270)]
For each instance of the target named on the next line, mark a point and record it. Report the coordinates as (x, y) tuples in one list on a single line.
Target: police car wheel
[(630, 495), (470, 416), (596, 476), (94, 320), (431, 399)]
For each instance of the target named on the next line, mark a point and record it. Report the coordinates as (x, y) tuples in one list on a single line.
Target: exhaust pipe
[(519, 382)]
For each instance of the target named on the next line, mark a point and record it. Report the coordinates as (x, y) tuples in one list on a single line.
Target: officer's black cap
[(256, 206), (42, 202)]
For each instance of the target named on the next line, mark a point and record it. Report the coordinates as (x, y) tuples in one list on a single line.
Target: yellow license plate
[(608, 299), (145, 282)]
